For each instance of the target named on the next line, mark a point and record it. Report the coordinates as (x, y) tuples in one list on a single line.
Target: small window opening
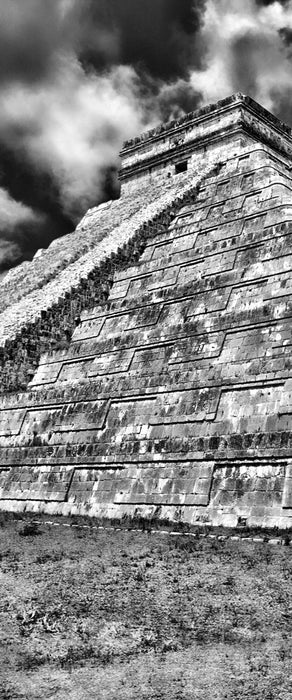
[(248, 180), (181, 167)]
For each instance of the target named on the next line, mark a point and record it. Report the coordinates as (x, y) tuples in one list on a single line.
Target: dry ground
[(102, 615)]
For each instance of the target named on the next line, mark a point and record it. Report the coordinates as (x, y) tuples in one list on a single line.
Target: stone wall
[(45, 318), (174, 395)]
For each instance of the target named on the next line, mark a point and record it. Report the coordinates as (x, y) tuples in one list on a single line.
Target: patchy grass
[(88, 614)]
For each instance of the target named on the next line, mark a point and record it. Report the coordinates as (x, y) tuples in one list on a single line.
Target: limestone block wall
[(174, 396), (45, 304)]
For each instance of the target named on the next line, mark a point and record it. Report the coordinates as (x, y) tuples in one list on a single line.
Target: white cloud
[(74, 125), (244, 51), (14, 213)]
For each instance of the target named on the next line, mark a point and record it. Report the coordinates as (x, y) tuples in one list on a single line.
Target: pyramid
[(146, 357)]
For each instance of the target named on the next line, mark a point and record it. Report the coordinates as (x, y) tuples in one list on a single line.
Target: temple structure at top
[(146, 358)]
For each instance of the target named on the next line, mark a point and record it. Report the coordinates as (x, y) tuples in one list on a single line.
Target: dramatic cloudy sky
[(77, 77)]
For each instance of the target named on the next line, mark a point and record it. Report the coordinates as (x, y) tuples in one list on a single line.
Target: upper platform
[(170, 146)]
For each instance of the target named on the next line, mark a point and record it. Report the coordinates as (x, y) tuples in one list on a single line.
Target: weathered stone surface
[(171, 390)]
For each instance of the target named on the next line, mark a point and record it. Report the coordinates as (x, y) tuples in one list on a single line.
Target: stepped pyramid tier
[(146, 357)]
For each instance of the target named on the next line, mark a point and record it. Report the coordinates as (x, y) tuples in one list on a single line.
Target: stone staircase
[(46, 316)]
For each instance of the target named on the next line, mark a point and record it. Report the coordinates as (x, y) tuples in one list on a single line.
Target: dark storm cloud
[(30, 33), (177, 99), (77, 77), (247, 51), (244, 76), (40, 194), (265, 3), (286, 35), (156, 36), (256, 51)]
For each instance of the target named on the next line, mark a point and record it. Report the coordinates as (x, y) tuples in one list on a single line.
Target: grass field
[(88, 614)]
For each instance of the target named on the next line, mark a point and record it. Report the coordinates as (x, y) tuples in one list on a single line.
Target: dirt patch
[(88, 614)]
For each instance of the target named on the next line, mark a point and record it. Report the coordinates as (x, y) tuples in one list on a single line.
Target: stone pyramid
[(146, 357)]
